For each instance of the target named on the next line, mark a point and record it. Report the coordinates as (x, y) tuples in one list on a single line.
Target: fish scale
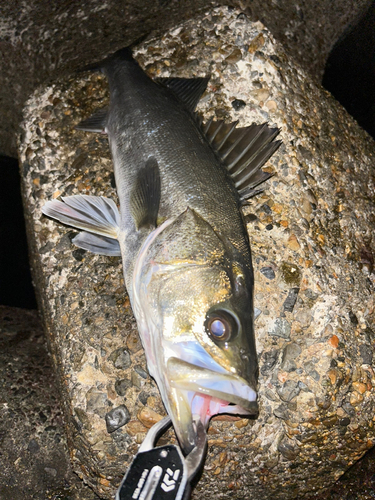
[(186, 172)]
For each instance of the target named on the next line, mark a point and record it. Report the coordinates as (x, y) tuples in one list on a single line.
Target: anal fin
[(95, 123), (94, 243)]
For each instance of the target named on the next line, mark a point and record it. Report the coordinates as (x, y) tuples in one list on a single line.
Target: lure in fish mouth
[(180, 232)]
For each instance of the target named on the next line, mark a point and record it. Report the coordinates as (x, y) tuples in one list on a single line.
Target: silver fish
[(181, 234)]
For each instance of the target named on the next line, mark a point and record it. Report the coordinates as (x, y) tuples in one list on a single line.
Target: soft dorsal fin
[(243, 151), (145, 195), (94, 214), (188, 90), (96, 123)]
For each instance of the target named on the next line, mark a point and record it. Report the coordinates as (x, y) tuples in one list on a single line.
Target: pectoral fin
[(94, 214), (145, 196)]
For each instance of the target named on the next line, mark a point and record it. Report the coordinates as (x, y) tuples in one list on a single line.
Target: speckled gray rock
[(34, 457), (313, 227), (42, 40)]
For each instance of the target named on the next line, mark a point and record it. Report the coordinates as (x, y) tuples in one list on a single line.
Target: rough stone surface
[(33, 450), (42, 40), (30, 403), (313, 226)]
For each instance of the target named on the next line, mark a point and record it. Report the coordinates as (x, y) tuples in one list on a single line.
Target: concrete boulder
[(311, 233), (44, 40)]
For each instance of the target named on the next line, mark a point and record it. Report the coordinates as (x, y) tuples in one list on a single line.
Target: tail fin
[(124, 54)]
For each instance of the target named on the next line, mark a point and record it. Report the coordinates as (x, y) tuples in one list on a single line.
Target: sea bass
[(181, 234)]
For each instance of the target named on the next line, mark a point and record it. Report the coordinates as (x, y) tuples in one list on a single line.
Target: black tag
[(157, 474)]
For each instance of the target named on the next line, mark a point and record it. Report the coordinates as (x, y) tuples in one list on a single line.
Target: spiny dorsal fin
[(145, 196), (96, 123), (95, 214), (188, 90), (243, 151)]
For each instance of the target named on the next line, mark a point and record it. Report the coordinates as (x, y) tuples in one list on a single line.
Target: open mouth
[(224, 386), (199, 392)]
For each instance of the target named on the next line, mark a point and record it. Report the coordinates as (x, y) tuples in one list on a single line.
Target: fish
[(180, 231)]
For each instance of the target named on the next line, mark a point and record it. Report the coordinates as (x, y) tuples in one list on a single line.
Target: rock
[(83, 417), (96, 401), (268, 272), (310, 370), (360, 387), (33, 446), (256, 43), (116, 418), (135, 427), (52, 472), (288, 391), (334, 341), (257, 312), (345, 421), (34, 458), (355, 398), (148, 417), (288, 451), (260, 95), (143, 397), (300, 403), (238, 104), (269, 360), (141, 372), (366, 354), (234, 56), (293, 243), (281, 412), (121, 386), (290, 273), (291, 299), (281, 328), (137, 380), (290, 353), (333, 374), (133, 342), (304, 317), (120, 358)]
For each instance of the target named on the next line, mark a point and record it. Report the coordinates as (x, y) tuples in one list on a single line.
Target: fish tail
[(124, 54)]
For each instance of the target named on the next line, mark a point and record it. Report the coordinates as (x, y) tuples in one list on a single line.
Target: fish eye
[(221, 325)]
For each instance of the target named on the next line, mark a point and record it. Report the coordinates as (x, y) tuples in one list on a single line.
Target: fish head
[(192, 298)]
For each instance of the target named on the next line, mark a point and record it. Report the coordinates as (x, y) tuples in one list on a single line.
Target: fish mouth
[(199, 392)]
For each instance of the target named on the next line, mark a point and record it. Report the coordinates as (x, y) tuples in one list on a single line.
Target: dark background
[(350, 71), (16, 289)]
